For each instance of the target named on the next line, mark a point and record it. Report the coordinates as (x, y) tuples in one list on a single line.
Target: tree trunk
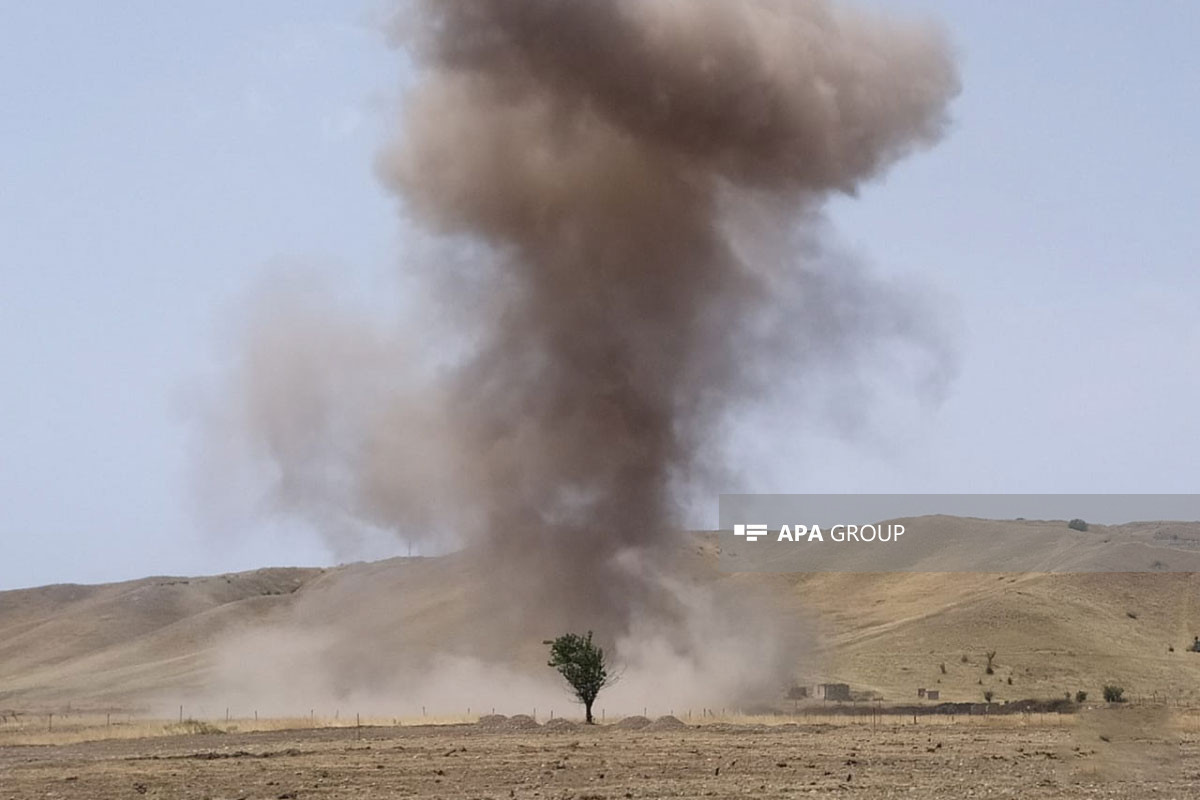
[(587, 706)]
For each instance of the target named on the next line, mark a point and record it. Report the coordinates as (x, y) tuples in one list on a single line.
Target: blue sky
[(157, 160)]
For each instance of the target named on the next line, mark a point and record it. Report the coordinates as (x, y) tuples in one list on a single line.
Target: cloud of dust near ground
[(626, 197)]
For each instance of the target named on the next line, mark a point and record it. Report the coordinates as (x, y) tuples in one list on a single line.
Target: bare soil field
[(1016, 757)]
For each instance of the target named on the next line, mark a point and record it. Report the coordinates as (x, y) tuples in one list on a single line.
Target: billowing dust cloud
[(627, 197)]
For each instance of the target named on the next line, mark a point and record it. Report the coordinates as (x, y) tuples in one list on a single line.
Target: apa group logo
[(751, 532), (842, 532)]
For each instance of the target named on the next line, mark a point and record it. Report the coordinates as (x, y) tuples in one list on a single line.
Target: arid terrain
[(86, 673), (1012, 756), (111, 647)]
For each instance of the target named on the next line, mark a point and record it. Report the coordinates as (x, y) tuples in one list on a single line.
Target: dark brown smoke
[(601, 150), (629, 194)]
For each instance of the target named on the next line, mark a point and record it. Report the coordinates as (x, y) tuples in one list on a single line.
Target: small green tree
[(1080, 696), (1114, 694), (582, 665)]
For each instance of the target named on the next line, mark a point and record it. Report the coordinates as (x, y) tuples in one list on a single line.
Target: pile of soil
[(635, 723), (520, 722), (560, 724), (493, 722), (667, 723)]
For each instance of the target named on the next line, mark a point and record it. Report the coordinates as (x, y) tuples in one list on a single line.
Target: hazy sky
[(157, 160)]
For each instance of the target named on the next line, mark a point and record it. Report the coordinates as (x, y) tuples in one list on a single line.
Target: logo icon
[(751, 532)]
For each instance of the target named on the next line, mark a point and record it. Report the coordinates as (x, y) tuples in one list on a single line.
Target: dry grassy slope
[(1053, 633), (93, 642)]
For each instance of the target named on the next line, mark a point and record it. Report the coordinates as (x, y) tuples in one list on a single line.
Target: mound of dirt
[(667, 723), (493, 722), (560, 724), (519, 722), (635, 723)]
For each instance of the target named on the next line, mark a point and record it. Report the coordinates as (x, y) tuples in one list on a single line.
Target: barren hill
[(116, 644), (122, 640)]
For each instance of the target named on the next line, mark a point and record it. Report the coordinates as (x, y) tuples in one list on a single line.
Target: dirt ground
[(1009, 758)]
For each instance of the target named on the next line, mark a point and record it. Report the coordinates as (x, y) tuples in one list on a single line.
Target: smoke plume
[(628, 198)]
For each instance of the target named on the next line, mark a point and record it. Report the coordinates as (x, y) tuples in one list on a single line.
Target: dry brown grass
[(30, 729), (34, 729)]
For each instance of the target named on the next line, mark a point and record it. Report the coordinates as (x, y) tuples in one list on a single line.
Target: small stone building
[(834, 691)]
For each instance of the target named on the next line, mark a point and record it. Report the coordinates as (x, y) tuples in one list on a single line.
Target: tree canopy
[(582, 665)]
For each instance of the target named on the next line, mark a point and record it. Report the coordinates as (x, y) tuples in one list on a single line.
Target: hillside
[(117, 645), (117, 641)]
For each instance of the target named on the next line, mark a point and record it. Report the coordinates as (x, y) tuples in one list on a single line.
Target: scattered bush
[(1131, 614), (1077, 525), (194, 727), (1080, 696), (1010, 680), (942, 667), (1114, 694), (988, 695), (991, 656)]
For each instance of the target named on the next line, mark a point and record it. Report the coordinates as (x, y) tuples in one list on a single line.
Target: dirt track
[(1009, 760)]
